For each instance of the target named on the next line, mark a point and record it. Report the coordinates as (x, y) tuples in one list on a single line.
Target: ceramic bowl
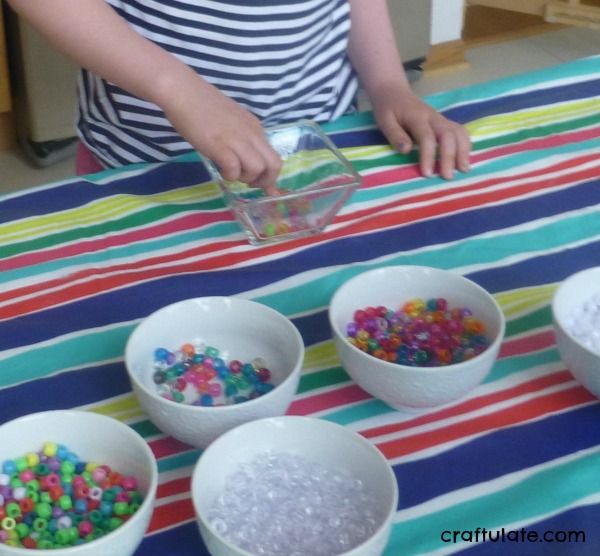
[(93, 438), (403, 386), (580, 355), (240, 329), (314, 183), (314, 440)]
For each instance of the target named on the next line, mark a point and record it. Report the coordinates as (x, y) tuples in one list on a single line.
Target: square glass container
[(314, 183)]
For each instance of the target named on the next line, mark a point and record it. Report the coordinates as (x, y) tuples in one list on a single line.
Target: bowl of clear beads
[(576, 319), (314, 183), (293, 486), (415, 337), (202, 366), (74, 483)]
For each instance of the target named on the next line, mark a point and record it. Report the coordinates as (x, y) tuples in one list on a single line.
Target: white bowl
[(243, 328), (316, 440), (93, 438), (582, 361), (401, 386)]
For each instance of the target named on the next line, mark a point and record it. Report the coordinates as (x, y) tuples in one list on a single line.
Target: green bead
[(42, 469), (121, 508), (114, 523), (21, 464), (95, 517), (45, 497), (73, 534), (16, 482), (178, 396), (62, 536), (87, 476), (13, 510), (40, 524), (109, 495), (211, 351), (35, 496), (43, 509), (65, 502), (22, 530), (32, 486), (45, 544), (67, 467)]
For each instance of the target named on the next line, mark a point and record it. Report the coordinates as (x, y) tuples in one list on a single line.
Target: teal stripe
[(115, 254), (314, 295), (546, 492), (358, 412), (586, 67), (518, 363), (186, 459), (81, 351)]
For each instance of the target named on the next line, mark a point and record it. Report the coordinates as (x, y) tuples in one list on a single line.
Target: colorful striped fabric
[(83, 260)]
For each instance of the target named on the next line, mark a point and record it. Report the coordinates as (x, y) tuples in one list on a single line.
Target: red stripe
[(328, 400), (171, 514), (473, 404), (167, 446), (510, 416), (386, 220), (527, 344), (171, 488)]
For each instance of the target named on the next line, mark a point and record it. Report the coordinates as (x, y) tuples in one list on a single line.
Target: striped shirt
[(281, 59)]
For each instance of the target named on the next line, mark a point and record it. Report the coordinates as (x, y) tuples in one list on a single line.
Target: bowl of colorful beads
[(76, 483), (576, 318), (415, 337), (201, 366), (314, 183), (294, 486)]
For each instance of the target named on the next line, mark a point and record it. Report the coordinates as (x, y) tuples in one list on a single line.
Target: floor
[(485, 62)]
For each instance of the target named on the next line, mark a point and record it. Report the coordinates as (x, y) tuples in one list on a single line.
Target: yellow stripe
[(525, 300), (532, 118), (320, 356), (102, 210)]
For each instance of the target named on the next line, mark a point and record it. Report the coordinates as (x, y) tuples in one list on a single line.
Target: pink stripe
[(527, 344)]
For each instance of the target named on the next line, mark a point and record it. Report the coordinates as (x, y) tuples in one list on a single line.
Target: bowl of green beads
[(415, 337), (315, 182), (74, 483)]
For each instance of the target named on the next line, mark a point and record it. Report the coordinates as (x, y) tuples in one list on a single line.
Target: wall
[(446, 20)]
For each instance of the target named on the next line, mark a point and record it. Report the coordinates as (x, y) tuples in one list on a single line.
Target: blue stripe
[(70, 389), (139, 300), (465, 465), (512, 103)]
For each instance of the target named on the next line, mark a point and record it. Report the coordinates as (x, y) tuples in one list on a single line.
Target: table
[(83, 260)]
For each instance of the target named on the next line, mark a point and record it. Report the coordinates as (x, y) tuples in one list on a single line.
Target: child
[(163, 77)]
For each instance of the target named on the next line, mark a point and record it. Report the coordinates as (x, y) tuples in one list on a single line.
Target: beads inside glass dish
[(200, 375), (422, 333), (282, 504)]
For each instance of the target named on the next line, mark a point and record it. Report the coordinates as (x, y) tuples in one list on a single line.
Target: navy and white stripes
[(283, 60)]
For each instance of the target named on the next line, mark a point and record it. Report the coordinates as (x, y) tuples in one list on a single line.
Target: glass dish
[(315, 182)]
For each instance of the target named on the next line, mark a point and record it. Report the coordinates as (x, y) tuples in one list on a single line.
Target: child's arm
[(92, 34), (400, 114)]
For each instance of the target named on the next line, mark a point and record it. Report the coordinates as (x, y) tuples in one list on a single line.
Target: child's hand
[(225, 132), (405, 119)]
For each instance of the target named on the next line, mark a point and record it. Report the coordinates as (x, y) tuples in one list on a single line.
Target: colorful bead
[(421, 333), (61, 506), (206, 379)]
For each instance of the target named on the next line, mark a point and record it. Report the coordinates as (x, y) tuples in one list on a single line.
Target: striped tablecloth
[(83, 260)]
